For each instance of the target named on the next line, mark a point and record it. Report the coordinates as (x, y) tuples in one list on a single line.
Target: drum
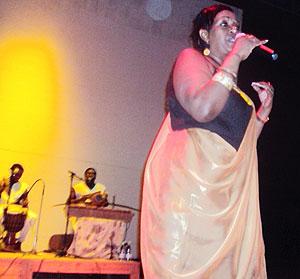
[(13, 222)]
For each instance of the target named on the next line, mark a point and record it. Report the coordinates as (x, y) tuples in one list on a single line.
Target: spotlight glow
[(28, 94)]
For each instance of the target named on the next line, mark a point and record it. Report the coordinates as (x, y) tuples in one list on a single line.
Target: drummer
[(14, 198)]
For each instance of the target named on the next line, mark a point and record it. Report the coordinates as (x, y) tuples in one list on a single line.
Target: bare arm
[(265, 92), (199, 95), (196, 90)]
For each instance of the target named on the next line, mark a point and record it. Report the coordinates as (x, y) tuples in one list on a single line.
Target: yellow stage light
[(29, 92)]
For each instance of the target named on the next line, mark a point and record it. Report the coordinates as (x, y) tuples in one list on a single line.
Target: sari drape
[(200, 207)]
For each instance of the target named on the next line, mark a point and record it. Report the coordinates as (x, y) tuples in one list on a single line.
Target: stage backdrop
[(82, 85)]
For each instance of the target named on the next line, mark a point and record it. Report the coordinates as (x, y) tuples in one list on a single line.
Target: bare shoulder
[(192, 67), (191, 58), (193, 54)]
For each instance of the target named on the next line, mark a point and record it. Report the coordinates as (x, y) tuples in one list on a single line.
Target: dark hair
[(19, 166), (90, 169), (204, 20)]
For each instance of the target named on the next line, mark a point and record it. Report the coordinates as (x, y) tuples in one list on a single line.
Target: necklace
[(215, 59)]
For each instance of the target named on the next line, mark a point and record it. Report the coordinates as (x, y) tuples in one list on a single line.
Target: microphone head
[(274, 56)]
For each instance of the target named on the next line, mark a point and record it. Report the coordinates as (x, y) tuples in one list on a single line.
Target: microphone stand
[(63, 251), (33, 251)]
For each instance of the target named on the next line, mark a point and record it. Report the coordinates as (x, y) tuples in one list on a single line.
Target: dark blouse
[(230, 124)]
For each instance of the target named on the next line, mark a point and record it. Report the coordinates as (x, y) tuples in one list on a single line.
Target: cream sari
[(200, 210)]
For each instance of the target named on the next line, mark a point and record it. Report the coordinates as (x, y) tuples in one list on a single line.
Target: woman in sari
[(200, 205)]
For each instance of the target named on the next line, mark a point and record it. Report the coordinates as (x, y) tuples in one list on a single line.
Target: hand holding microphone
[(249, 42)]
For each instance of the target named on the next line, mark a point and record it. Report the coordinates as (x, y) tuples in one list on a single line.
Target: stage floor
[(48, 265)]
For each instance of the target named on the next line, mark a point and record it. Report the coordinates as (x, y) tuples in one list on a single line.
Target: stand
[(33, 251), (63, 251)]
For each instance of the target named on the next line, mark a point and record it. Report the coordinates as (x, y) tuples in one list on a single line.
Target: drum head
[(16, 209)]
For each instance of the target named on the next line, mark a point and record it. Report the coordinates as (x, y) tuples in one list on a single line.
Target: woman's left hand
[(265, 92)]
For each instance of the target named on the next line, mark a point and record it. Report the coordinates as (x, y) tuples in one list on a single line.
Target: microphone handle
[(269, 51)]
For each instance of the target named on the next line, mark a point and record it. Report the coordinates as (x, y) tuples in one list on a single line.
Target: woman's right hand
[(244, 45)]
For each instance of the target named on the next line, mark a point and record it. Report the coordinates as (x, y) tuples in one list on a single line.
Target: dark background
[(278, 21)]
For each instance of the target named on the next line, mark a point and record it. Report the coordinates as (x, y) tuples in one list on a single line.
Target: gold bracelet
[(224, 79), (228, 71), (263, 120)]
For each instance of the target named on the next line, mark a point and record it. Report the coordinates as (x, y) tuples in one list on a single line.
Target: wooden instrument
[(106, 213), (97, 199)]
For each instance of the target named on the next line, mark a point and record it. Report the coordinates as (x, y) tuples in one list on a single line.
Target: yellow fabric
[(16, 192), (81, 189), (200, 208)]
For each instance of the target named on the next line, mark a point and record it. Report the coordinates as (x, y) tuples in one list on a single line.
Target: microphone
[(264, 48), (71, 173), (268, 50), (74, 175)]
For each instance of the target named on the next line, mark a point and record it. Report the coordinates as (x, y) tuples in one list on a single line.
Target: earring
[(206, 51)]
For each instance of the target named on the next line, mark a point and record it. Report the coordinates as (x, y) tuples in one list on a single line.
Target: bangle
[(263, 120), (228, 71), (224, 79)]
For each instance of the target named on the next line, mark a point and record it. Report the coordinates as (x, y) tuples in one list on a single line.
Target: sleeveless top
[(230, 124)]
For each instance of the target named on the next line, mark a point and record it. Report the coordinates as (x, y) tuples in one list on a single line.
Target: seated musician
[(14, 205), (94, 236), (88, 193)]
